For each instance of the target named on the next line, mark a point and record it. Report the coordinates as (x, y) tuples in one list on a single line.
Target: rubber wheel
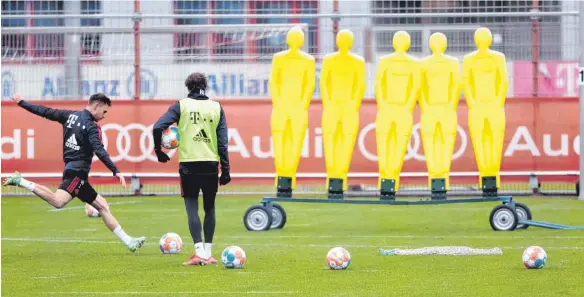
[(257, 218), (503, 218), (523, 213), (278, 216)]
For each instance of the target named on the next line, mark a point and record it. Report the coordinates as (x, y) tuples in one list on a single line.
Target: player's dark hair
[(100, 97), (196, 80)]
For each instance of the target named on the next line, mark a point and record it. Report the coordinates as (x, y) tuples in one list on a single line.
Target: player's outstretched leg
[(133, 243), (13, 180), (57, 199)]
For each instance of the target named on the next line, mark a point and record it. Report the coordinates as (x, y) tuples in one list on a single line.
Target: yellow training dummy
[(439, 95), (292, 81), (342, 86), (485, 87), (396, 90)]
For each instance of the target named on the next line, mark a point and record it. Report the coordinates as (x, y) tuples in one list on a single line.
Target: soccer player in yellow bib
[(396, 90), (440, 89), (342, 86), (202, 125), (292, 81), (485, 88)]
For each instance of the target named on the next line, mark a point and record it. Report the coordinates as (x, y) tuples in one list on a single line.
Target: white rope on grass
[(442, 250)]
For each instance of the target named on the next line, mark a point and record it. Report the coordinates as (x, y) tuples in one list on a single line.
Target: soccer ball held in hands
[(170, 138)]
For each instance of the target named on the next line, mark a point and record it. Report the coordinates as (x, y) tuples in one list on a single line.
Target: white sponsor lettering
[(11, 147), (522, 141), (318, 147), (71, 120), (238, 144), (30, 144), (254, 146), (259, 151), (72, 143), (567, 78), (547, 146)]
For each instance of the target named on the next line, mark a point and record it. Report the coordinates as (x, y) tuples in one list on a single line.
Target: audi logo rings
[(124, 143), (414, 145)]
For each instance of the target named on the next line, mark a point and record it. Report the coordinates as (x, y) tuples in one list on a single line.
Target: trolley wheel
[(278, 216), (503, 218), (523, 213), (257, 218)]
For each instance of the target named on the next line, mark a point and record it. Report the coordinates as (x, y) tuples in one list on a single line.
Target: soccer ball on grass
[(338, 258), (170, 243), (170, 138), (233, 257), (534, 257)]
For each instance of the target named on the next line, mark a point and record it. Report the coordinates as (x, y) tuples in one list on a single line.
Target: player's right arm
[(57, 115), (222, 140), (94, 134), (222, 148), (171, 116)]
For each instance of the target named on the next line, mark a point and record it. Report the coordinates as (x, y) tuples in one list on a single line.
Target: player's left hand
[(225, 178), (122, 179), (162, 157), (17, 98)]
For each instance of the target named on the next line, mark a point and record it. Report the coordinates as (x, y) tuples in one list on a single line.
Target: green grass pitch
[(65, 253)]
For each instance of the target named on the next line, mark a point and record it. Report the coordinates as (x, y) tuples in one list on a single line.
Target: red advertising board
[(542, 135), (555, 78)]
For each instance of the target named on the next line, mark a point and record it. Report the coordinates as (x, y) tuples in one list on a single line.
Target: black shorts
[(191, 185), (76, 184)]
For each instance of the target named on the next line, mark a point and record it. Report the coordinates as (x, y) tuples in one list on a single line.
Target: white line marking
[(444, 208), (269, 237), (367, 246), (53, 276), (59, 240), (83, 206), (166, 211), (372, 246), (235, 293)]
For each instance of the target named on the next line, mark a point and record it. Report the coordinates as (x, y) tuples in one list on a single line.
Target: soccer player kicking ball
[(81, 138), (203, 133)]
